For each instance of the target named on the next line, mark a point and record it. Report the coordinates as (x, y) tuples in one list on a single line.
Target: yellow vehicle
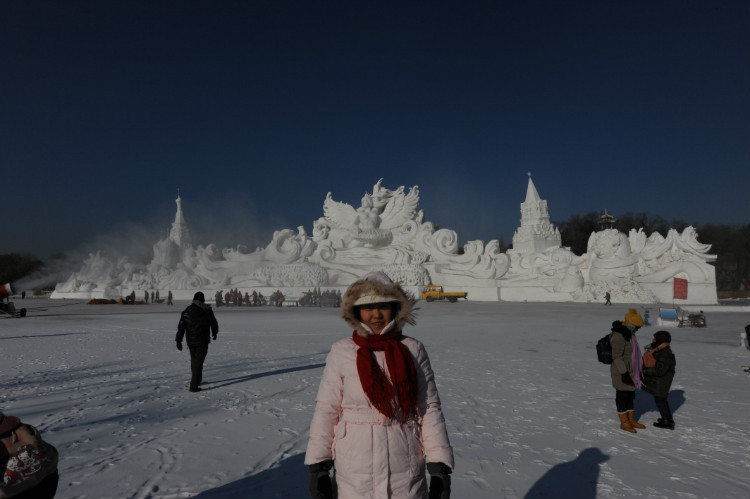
[(432, 293)]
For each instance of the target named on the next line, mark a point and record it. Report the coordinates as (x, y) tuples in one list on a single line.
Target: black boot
[(667, 424)]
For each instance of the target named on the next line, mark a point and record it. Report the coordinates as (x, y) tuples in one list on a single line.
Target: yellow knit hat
[(634, 318)]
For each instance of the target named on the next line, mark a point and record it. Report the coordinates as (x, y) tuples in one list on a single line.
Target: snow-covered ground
[(529, 409)]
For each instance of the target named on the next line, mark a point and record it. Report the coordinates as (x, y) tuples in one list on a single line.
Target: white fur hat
[(372, 295), (376, 287)]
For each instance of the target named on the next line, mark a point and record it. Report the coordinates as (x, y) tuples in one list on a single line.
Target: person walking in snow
[(658, 375), (625, 372), (197, 324), (378, 421), (169, 297), (607, 298)]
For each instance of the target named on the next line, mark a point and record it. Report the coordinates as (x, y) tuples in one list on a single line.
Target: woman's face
[(376, 316)]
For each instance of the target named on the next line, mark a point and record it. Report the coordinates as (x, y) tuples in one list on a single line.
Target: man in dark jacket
[(198, 324)]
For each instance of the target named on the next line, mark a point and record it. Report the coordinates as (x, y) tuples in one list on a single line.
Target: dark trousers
[(663, 406), (624, 400), (197, 357)]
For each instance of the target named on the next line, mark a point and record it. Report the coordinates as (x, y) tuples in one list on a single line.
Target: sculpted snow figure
[(388, 232)]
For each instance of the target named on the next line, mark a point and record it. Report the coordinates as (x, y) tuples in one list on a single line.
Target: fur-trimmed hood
[(377, 284)]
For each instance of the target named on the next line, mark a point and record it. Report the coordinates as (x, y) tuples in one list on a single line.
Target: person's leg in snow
[(197, 357)]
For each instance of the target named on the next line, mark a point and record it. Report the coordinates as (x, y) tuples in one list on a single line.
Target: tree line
[(14, 266)]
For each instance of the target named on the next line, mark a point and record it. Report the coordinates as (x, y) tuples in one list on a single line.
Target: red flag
[(680, 288)]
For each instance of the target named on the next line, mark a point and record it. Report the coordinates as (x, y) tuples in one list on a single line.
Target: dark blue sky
[(255, 110)]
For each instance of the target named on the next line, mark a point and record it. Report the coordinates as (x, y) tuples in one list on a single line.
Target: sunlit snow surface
[(529, 409)]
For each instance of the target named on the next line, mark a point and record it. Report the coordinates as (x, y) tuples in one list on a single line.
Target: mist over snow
[(123, 240), (530, 411), (228, 223)]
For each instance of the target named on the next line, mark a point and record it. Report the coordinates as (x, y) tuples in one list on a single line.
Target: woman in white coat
[(378, 421)]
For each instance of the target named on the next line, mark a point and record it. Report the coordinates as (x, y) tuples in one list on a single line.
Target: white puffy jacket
[(376, 457)]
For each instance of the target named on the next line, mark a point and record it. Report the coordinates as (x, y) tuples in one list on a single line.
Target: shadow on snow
[(644, 402), (241, 379), (37, 336), (575, 479), (287, 479)]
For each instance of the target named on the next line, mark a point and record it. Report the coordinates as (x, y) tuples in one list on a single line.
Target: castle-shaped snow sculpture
[(388, 232), (536, 233)]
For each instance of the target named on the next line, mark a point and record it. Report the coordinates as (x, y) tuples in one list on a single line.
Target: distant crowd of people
[(317, 298), (153, 296), (234, 297), (254, 299)]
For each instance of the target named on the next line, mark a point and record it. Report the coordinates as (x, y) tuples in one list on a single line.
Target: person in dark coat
[(198, 325), (30, 472), (658, 379)]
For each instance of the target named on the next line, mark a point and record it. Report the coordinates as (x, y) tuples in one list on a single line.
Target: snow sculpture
[(388, 232), (637, 268), (536, 233), (96, 270), (180, 232), (373, 223)]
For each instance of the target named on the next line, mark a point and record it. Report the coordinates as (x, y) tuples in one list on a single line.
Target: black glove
[(179, 345), (440, 480), (214, 337), (627, 379), (320, 481)]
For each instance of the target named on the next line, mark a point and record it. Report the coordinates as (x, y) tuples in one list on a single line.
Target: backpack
[(604, 350), (30, 459)]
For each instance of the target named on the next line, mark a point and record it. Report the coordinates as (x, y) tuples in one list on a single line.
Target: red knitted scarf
[(397, 398)]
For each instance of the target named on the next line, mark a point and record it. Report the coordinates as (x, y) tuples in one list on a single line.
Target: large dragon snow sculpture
[(373, 223)]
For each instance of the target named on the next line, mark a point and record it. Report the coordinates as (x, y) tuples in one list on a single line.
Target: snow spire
[(180, 233), (532, 196), (536, 233)]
